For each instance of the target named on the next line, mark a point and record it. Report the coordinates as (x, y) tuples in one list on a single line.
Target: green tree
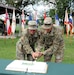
[(52, 14), (15, 3), (20, 3), (61, 6)]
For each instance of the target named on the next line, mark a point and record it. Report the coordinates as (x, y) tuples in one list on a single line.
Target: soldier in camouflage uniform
[(25, 47), (51, 41)]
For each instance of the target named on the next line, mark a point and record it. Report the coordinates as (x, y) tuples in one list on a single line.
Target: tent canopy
[(9, 9)]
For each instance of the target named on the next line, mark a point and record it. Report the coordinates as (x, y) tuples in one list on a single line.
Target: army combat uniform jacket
[(52, 43), (26, 45)]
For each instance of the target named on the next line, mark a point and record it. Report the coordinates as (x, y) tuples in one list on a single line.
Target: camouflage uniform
[(25, 45), (53, 43)]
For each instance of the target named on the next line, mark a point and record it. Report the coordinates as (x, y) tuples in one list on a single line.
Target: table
[(53, 69)]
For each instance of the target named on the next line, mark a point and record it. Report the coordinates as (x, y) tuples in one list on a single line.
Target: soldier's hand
[(36, 55), (40, 54)]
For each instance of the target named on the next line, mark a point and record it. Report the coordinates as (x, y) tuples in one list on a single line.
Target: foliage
[(10, 2), (61, 6), (20, 3), (52, 14), (14, 3)]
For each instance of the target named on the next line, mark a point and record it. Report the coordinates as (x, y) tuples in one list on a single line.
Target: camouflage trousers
[(58, 56), (21, 54)]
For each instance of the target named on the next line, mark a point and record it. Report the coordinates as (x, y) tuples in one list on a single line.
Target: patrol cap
[(47, 23), (32, 25)]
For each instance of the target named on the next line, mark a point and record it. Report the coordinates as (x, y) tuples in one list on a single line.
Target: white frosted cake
[(27, 66)]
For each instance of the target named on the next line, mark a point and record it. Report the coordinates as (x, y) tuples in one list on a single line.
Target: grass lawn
[(69, 50), (8, 49)]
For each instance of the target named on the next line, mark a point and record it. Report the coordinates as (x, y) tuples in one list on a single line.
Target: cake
[(27, 66)]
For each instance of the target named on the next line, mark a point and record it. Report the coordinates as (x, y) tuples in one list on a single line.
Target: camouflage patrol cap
[(47, 23), (32, 25)]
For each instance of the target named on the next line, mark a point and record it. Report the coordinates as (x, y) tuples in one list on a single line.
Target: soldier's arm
[(39, 44), (26, 46), (58, 39)]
